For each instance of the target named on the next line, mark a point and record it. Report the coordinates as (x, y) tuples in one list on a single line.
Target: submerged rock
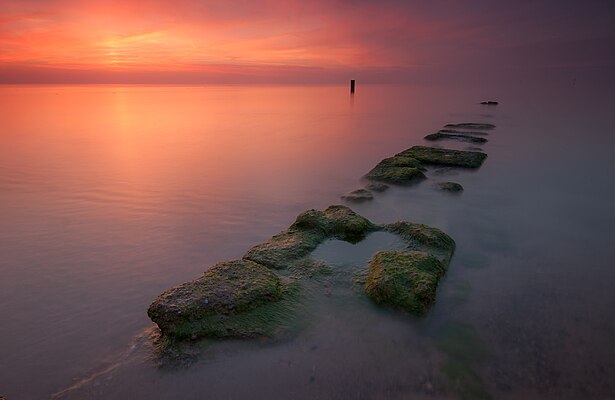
[(310, 229), (470, 125), (227, 301), (404, 280), (377, 187), (398, 170), (358, 195), (450, 186), (445, 171), (438, 156), (455, 136), (457, 131)]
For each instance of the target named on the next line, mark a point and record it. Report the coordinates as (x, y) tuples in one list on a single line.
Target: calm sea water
[(110, 195)]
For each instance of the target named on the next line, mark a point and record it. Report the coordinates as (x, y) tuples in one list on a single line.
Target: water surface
[(109, 195)]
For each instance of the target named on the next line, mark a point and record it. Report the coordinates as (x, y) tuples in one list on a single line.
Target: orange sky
[(189, 40)]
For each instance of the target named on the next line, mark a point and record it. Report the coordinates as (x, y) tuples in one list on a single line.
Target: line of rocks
[(247, 298), (251, 296), (409, 166)]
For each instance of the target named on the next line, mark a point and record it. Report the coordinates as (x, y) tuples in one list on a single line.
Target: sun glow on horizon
[(189, 40), (109, 38)]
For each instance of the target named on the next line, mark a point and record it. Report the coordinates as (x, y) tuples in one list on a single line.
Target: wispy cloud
[(190, 38)]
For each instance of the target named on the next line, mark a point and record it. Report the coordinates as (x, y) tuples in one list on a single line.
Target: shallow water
[(109, 195)]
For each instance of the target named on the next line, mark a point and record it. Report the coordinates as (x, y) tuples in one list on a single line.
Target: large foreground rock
[(230, 299), (439, 156), (404, 280), (310, 229)]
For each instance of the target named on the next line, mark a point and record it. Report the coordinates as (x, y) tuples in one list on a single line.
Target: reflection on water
[(109, 195)]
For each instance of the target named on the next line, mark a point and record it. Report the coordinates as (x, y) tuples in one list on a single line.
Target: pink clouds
[(202, 40)]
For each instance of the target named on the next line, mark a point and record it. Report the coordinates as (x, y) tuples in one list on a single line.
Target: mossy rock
[(450, 186), (439, 156), (404, 280), (377, 187), (400, 161), (470, 125), (310, 229), (358, 196), (245, 298), (285, 247), (421, 237), (337, 221), (217, 303), (396, 175), (455, 136), (309, 268), (397, 170)]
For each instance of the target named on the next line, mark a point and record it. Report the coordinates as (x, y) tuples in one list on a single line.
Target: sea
[(111, 194)]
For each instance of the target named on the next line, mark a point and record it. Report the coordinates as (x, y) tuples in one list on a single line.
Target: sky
[(236, 41)]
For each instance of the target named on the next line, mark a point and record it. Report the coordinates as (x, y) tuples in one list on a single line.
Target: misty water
[(110, 195)]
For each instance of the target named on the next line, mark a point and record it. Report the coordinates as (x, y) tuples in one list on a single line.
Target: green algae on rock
[(450, 186), (358, 195), (404, 280), (310, 268), (425, 238), (237, 298), (408, 279), (455, 136), (310, 229), (377, 187), (396, 175), (285, 247), (246, 298), (439, 156), (398, 170), (400, 161), (337, 221)]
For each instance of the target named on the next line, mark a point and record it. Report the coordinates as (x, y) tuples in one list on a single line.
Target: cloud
[(192, 39)]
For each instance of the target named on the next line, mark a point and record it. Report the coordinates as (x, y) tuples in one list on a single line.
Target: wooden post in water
[(352, 86)]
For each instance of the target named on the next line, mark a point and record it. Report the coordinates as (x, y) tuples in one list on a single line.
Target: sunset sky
[(299, 41)]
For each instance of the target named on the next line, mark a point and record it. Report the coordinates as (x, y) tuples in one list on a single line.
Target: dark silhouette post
[(352, 86)]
